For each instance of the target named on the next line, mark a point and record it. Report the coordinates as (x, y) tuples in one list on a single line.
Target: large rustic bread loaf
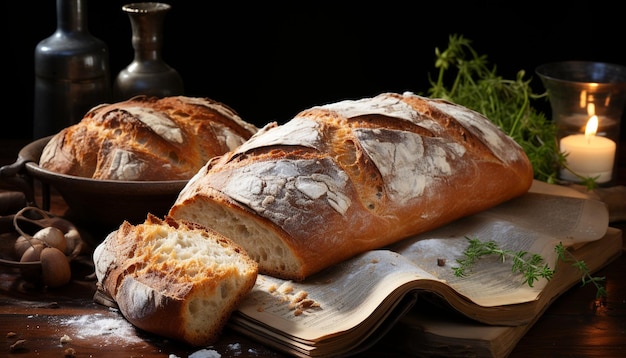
[(174, 279), (352, 176), (146, 138)]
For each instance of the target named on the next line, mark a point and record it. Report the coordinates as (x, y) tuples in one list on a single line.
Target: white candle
[(588, 155)]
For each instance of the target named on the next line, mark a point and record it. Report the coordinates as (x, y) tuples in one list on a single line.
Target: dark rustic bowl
[(101, 203)]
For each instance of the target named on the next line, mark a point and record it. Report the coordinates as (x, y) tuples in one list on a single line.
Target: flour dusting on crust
[(482, 128), (159, 122), (288, 192), (298, 131), (407, 161), (388, 106)]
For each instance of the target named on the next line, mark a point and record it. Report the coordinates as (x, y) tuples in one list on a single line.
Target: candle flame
[(591, 128), (591, 109)]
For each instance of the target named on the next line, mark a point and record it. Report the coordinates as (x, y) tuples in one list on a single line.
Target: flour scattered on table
[(205, 353), (109, 330)]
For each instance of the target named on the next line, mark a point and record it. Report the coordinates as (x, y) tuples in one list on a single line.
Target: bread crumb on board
[(69, 353), (298, 302), (285, 288), (65, 339), (17, 346)]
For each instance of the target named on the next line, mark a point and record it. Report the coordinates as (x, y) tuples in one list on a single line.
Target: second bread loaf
[(146, 138)]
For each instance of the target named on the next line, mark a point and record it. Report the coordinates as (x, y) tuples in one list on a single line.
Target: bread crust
[(353, 176), (174, 278), (146, 138)]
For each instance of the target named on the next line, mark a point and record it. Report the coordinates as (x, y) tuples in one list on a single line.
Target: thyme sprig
[(566, 256), (466, 78), (530, 266)]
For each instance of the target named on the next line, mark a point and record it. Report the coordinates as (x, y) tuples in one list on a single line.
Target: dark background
[(269, 61)]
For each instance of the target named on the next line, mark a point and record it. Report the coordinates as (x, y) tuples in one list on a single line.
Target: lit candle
[(588, 155)]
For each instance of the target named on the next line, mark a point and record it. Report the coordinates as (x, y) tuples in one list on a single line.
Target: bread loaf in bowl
[(146, 139), (174, 278), (352, 176)]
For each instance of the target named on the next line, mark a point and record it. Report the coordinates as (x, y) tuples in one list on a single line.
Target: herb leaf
[(506, 102), (531, 266)]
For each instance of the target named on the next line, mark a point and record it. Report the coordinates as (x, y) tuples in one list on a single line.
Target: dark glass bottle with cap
[(148, 73), (71, 71)]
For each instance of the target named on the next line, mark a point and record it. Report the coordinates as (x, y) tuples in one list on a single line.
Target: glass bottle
[(147, 74), (71, 71)]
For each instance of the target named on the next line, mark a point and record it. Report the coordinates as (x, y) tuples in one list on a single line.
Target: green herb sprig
[(598, 282), (506, 102), (531, 266)]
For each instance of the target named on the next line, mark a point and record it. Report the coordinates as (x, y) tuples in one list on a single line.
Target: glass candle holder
[(587, 101)]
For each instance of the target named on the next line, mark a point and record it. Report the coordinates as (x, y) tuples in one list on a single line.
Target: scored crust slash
[(352, 176)]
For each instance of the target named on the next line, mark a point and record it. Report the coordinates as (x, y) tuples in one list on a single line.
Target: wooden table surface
[(573, 326)]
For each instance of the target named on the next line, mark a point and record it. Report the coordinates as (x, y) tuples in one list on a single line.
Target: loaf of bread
[(348, 177), (146, 138), (173, 278)]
